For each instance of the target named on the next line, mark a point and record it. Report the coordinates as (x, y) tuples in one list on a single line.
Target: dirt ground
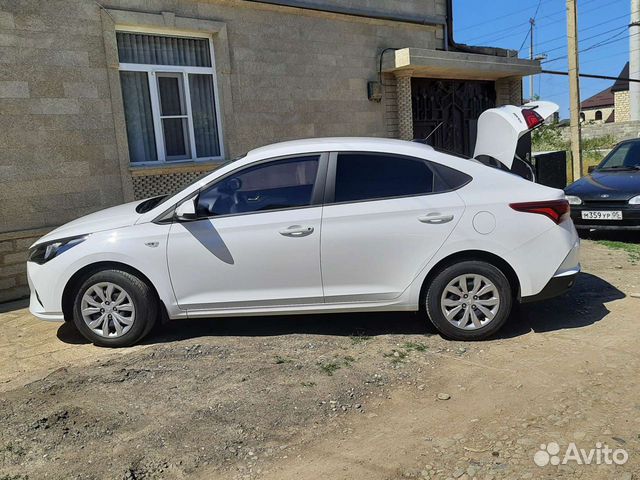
[(375, 396)]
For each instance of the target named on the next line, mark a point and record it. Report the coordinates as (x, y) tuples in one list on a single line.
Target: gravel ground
[(376, 396)]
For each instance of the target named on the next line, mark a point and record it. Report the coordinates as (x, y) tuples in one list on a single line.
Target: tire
[(126, 303), (478, 317)]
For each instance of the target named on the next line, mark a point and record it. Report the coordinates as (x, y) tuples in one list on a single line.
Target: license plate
[(601, 215)]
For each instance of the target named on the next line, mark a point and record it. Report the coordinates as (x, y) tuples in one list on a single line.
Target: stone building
[(109, 101), (611, 104)]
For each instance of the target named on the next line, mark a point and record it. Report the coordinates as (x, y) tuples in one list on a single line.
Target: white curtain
[(161, 50), (205, 127), (139, 120)]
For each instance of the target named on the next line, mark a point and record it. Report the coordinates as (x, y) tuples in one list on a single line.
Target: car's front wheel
[(470, 300), (114, 308)]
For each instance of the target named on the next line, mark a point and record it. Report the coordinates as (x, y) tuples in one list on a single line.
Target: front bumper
[(630, 216), (36, 306)]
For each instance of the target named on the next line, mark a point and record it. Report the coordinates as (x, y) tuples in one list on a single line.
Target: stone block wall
[(622, 106), (509, 91), (13, 257), (59, 156), (618, 130)]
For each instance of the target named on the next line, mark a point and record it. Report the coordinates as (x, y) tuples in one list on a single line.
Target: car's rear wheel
[(113, 308), (470, 300)]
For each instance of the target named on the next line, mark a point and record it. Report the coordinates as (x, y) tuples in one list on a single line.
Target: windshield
[(625, 156)]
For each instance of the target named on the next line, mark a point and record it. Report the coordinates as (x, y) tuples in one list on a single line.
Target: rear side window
[(367, 176), (447, 178)]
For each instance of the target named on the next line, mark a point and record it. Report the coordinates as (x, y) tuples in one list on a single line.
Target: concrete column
[(405, 110), (634, 61)]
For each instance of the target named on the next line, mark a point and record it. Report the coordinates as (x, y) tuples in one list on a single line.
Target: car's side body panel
[(243, 261), (141, 247), (371, 251)]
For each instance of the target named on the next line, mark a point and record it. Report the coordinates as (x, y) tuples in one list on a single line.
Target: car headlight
[(46, 251), (635, 200), (573, 200)]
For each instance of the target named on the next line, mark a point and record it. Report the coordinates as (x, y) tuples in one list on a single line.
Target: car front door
[(256, 240), (383, 221)]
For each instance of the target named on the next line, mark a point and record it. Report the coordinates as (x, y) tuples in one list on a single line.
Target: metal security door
[(455, 103)]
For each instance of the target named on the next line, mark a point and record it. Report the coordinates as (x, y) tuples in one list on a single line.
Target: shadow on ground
[(582, 306), (14, 305), (611, 235)]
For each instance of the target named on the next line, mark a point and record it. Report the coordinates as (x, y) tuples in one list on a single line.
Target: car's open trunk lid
[(499, 129)]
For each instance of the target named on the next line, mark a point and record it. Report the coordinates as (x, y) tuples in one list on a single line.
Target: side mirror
[(186, 211), (591, 168)]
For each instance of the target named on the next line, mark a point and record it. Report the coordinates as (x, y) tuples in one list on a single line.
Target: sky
[(602, 34)]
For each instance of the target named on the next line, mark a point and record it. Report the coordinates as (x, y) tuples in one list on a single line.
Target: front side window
[(168, 90), (280, 184), (368, 176)]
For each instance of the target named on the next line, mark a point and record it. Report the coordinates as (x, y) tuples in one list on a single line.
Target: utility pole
[(574, 88), (532, 24), (634, 60)]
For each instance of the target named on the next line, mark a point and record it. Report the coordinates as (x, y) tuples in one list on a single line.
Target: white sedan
[(318, 226)]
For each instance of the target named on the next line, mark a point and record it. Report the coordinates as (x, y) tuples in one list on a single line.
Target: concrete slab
[(430, 63)]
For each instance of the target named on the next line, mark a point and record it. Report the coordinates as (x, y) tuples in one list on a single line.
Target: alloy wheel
[(107, 309), (470, 301)]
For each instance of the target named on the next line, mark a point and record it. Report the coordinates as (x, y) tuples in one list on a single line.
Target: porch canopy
[(421, 62)]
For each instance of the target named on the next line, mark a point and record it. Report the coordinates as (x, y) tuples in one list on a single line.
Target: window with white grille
[(170, 98)]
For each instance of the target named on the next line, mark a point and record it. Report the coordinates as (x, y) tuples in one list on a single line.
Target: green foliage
[(396, 356), (280, 360), (359, 338), (548, 138), (633, 249), (329, 368), (418, 347)]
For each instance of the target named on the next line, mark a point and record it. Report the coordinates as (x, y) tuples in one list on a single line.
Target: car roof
[(366, 144)]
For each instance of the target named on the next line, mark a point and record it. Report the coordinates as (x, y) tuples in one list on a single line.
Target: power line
[(490, 37), (532, 22), (515, 12), (590, 75), (594, 46), (563, 37), (617, 29)]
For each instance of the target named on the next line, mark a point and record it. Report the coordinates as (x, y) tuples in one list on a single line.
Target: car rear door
[(381, 223)]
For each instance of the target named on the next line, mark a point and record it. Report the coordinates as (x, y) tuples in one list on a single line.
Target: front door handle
[(296, 231), (435, 218)]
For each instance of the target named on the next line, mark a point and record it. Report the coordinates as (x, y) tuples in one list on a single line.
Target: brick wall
[(619, 130), (509, 91), (622, 106), (13, 257), (58, 147)]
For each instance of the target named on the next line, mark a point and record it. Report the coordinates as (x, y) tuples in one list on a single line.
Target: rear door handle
[(296, 231), (435, 218)]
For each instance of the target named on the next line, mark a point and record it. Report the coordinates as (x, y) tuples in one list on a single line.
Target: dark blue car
[(609, 197)]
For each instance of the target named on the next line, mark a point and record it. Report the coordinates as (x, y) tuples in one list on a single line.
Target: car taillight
[(532, 118), (554, 209)]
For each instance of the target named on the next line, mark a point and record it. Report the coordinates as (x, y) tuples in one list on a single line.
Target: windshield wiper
[(621, 167)]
